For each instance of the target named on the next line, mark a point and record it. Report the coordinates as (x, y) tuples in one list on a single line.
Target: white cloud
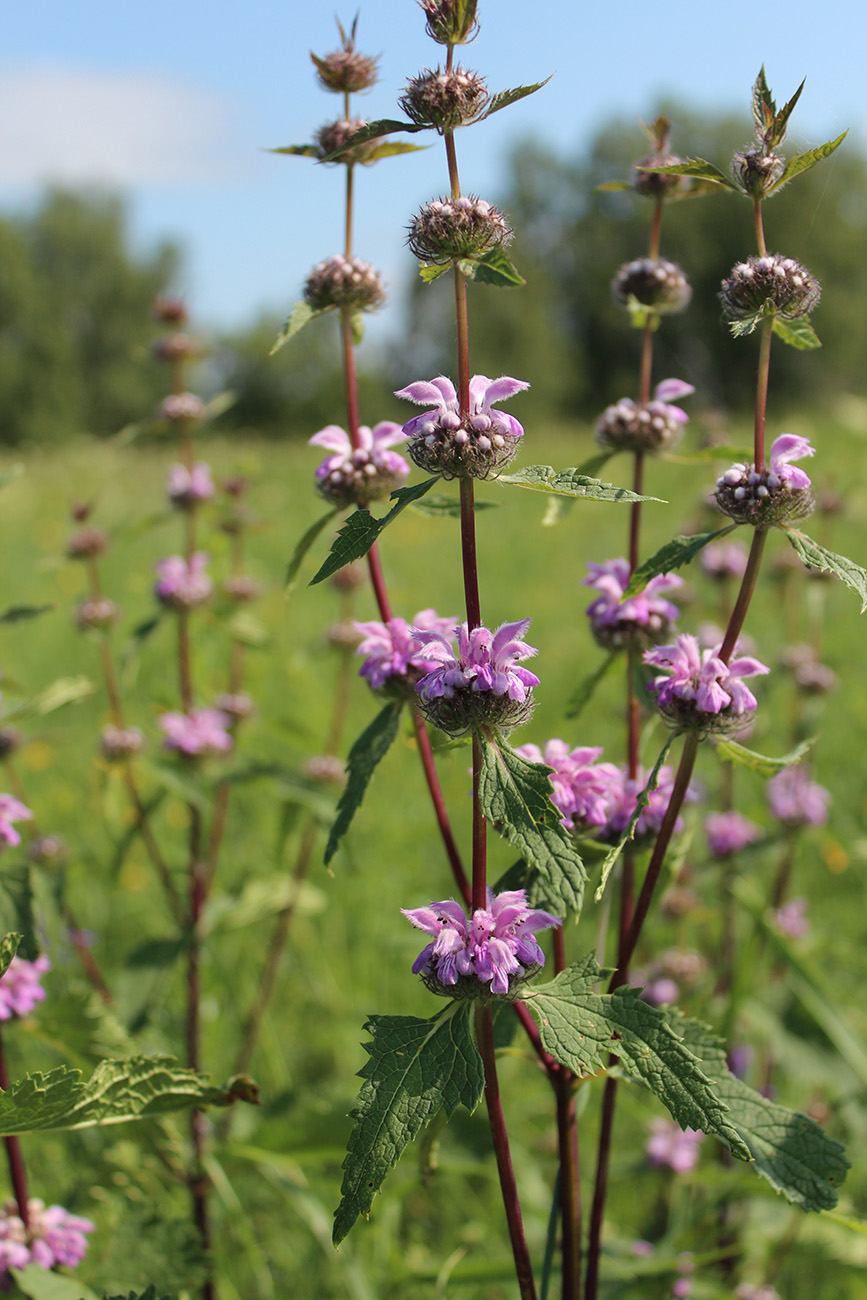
[(60, 123)]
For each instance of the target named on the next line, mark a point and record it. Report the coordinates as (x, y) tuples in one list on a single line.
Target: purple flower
[(661, 992), (681, 1288), (476, 446), (54, 1236), (181, 583), (724, 560), (579, 788), (480, 682), (671, 1145), (11, 810), (494, 947), (359, 475), (393, 650), (628, 426), (729, 832), (623, 795), (20, 989), (791, 918), (775, 494), (795, 800), (188, 487), (786, 448), (615, 620), (197, 733), (700, 686)]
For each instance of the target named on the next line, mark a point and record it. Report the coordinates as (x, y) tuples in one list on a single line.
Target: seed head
[(342, 282), (181, 407), (661, 286), (345, 71), (770, 284), (450, 22), (334, 135), (444, 99), (86, 543), (99, 613), (446, 230)]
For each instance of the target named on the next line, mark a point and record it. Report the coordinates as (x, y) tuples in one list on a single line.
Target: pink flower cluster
[(729, 832), (615, 619), (795, 800), (393, 650), (53, 1236), (197, 734), (20, 989), (483, 661), (698, 685), (673, 1146), (181, 583), (11, 810), (360, 474), (494, 947), (187, 487)]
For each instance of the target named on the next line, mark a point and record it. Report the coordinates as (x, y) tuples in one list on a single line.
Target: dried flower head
[(658, 285), (182, 408), (187, 488), (769, 285), (447, 230), (120, 743), (359, 475), (642, 619), (395, 660), (344, 282), (182, 583), (479, 445), (335, 136), (627, 426), (445, 98), (86, 543), (698, 691), (489, 953), (450, 22), (96, 612), (477, 682), (778, 494)]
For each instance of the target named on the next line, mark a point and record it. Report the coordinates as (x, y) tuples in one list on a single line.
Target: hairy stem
[(762, 393)]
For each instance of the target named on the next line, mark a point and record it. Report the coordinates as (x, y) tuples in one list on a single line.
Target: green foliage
[(515, 796), (416, 1069), (580, 1028), (301, 314), (797, 333), (16, 909), (697, 168), (150, 1294), (503, 98), (815, 556), (66, 690), (585, 690), (37, 1283), (21, 613), (496, 268), (569, 483), (8, 948), (304, 544), (361, 530), (802, 162), (367, 752), (672, 555), (629, 829), (732, 752)]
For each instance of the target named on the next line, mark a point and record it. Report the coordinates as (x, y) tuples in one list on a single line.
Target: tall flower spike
[(700, 692), (778, 494), (479, 683), (369, 472), (478, 446)]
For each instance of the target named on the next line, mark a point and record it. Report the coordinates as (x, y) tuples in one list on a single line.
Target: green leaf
[(442, 507), (781, 118), (66, 690), (792, 1152), (430, 271), (580, 1027), (817, 557), (116, 1092), (20, 613), (673, 555), (496, 268), (696, 167), (802, 162), (503, 98), (39, 1284), (763, 107), (391, 149), (611, 187), (416, 1069), (297, 150), (16, 910), (361, 530), (8, 948), (367, 752), (640, 316), (732, 752), (515, 796), (628, 831), (372, 131), (301, 314), (570, 483), (150, 1294), (797, 333), (304, 546), (583, 693)]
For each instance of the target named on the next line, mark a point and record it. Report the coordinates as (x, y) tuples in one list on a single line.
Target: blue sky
[(176, 102)]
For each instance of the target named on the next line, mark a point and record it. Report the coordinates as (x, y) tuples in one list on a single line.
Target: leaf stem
[(15, 1155), (442, 817), (760, 233), (480, 882), (762, 393), (745, 595)]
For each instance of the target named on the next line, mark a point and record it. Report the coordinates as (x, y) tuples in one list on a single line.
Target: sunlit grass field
[(437, 1230)]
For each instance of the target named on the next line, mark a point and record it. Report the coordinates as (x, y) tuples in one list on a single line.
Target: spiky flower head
[(359, 475), (795, 800), (394, 657), (660, 286), (487, 954), (336, 135), (197, 734), (775, 495), (698, 691), (447, 230), (450, 22), (627, 426), (187, 488), (477, 681), (617, 620), (183, 583), (445, 98), (120, 743), (96, 612), (345, 71), (769, 285), (579, 783), (344, 282), (86, 543), (20, 989), (11, 810), (480, 444)]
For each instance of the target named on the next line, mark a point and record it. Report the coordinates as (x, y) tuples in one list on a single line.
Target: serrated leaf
[(583, 693), (791, 1151), (732, 752), (802, 162), (416, 1069), (628, 832), (781, 118), (297, 150), (515, 796), (367, 752), (762, 103), (116, 1092), (673, 555), (361, 530), (503, 98), (372, 131), (304, 546), (21, 613), (16, 910), (301, 314), (815, 556), (698, 168), (611, 187), (430, 271), (570, 483), (8, 948), (797, 333), (580, 1027), (497, 269)]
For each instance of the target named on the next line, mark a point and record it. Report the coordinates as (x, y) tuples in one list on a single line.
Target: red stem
[(436, 794), (760, 233), (15, 1156), (570, 1190), (762, 394), (480, 882), (745, 595)]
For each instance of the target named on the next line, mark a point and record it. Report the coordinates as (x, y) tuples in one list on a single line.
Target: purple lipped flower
[(199, 733), (358, 475), (394, 657), (186, 488), (622, 799), (656, 426), (20, 989), (702, 692), (181, 583), (673, 1146), (479, 445), (479, 681), (56, 1236), (791, 919), (579, 788), (795, 800), (777, 494), (729, 832), (647, 617), (721, 560), (11, 810), (496, 947)]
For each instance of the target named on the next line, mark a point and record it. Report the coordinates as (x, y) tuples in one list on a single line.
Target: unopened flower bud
[(237, 705), (48, 850), (345, 71), (335, 135), (450, 22), (344, 282), (241, 588), (658, 185), (119, 743), (325, 769), (626, 426), (234, 486), (661, 286), (80, 511), (444, 98), (756, 172), (99, 613), (446, 230), (770, 284), (86, 543), (171, 311), (179, 407), (175, 347)]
